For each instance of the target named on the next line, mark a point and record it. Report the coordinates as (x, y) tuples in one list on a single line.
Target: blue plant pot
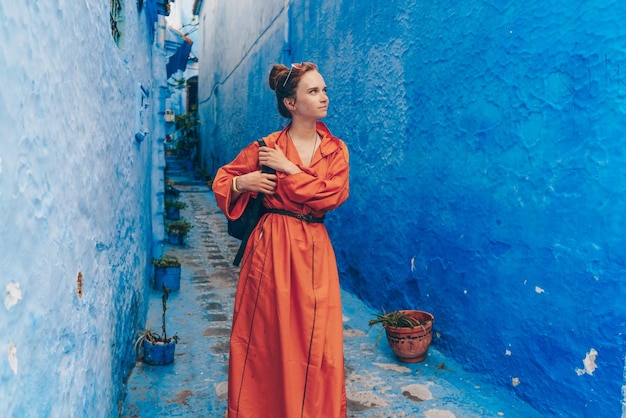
[(158, 353), (172, 213), (168, 276), (174, 164), (175, 239)]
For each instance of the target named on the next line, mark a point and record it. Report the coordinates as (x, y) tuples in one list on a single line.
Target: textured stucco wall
[(487, 170), (75, 204), (233, 72)]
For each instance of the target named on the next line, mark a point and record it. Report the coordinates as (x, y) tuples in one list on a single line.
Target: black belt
[(306, 217)]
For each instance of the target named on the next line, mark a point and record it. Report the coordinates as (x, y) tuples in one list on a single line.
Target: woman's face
[(311, 100)]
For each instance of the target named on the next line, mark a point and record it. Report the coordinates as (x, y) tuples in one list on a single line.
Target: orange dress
[(286, 345)]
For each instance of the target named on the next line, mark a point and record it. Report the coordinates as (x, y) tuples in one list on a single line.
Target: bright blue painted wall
[(75, 205), (488, 170)]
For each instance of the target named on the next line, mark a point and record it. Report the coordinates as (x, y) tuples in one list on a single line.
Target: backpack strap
[(256, 213)]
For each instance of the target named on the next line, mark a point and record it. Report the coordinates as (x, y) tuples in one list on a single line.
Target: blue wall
[(488, 170), (75, 205)]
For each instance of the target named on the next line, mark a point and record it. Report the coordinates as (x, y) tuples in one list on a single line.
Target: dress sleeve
[(321, 192), (246, 162)]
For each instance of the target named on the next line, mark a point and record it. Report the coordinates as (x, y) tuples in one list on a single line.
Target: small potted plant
[(171, 191), (409, 333), (177, 231), (155, 348), (167, 272), (172, 208)]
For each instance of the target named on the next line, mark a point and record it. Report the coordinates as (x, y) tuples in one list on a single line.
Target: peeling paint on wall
[(79, 285), (589, 362), (13, 357), (624, 392), (13, 295)]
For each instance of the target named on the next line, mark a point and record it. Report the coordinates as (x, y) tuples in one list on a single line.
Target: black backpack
[(242, 227)]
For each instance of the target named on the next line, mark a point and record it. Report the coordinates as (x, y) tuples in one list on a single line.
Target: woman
[(286, 346)]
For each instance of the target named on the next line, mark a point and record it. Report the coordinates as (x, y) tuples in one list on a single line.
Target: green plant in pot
[(173, 207), (170, 190), (187, 129), (409, 333), (177, 230), (167, 272), (155, 348)]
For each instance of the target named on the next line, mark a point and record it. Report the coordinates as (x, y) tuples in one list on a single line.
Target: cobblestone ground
[(378, 386)]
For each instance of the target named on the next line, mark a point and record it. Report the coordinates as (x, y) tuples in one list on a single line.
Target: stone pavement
[(378, 386)]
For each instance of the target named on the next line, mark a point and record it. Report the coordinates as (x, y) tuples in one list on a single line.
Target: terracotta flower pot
[(410, 345)]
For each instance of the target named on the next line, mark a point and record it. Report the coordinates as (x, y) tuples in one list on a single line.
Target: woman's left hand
[(276, 159)]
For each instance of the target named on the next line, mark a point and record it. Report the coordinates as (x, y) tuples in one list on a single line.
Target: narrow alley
[(484, 147), (195, 385)]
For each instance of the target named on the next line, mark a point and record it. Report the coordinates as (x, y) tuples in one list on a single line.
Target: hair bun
[(278, 70)]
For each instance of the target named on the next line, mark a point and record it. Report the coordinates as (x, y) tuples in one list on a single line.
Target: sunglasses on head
[(297, 67)]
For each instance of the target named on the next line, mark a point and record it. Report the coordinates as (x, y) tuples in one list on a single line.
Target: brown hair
[(284, 81)]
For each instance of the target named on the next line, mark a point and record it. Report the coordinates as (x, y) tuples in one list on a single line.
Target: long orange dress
[(286, 346)]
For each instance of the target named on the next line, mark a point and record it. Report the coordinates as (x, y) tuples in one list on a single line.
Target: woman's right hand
[(276, 159), (256, 181)]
